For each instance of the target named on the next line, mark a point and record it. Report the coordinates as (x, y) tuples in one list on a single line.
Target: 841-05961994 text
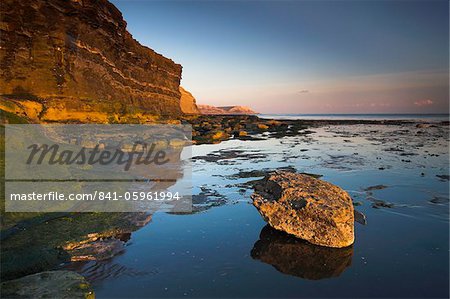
[(100, 195)]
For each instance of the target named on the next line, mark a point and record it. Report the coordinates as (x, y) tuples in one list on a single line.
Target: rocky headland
[(225, 110)]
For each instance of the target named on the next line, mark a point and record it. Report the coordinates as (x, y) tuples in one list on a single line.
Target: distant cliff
[(187, 102), (232, 110), (64, 60)]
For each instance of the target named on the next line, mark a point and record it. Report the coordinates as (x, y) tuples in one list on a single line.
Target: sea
[(397, 176), (411, 117)]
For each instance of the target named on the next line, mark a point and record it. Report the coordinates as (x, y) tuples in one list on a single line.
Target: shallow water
[(225, 249)]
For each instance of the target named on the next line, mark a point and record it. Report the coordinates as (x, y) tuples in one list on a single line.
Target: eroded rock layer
[(77, 60)]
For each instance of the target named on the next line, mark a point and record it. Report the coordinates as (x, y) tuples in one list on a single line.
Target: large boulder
[(50, 284), (306, 207)]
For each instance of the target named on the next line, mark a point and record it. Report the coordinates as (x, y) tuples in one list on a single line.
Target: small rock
[(220, 135), (127, 147), (423, 126), (360, 218), (439, 200), (443, 177), (317, 176), (91, 144), (177, 142), (378, 203), (97, 250), (262, 127), (376, 187), (159, 143)]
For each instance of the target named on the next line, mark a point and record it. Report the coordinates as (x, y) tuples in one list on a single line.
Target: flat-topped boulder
[(50, 284), (308, 208)]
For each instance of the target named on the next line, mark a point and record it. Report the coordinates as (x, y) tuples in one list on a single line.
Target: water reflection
[(97, 271), (295, 257)]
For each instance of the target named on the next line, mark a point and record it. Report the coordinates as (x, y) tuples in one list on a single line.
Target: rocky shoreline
[(94, 242), (217, 128), (35, 250)]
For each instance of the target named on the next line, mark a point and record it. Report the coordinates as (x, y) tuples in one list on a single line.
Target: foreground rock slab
[(97, 250), (308, 208), (50, 284)]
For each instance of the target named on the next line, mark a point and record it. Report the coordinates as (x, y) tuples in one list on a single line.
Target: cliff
[(75, 60), (231, 110), (187, 102)]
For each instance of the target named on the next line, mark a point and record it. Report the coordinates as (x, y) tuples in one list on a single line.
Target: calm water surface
[(225, 250), (415, 117)]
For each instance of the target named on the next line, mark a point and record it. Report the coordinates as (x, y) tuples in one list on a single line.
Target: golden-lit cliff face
[(73, 60), (187, 102)]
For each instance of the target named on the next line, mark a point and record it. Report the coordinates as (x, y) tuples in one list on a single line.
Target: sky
[(303, 56)]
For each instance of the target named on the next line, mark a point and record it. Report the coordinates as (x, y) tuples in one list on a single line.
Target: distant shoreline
[(438, 117), (218, 128)]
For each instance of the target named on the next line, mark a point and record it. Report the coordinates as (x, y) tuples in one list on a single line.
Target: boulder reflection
[(295, 257)]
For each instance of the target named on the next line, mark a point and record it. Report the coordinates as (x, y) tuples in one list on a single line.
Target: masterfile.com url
[(96, 195)]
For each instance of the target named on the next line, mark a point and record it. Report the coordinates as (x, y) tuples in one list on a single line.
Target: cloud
[(303, 91), (426, 102)]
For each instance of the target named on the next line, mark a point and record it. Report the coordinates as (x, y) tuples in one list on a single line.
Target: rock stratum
[(225, 110), (306, 207), (76, 61)]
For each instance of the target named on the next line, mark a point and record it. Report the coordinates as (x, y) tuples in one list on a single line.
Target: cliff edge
[(187, 102), (75, 61)]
